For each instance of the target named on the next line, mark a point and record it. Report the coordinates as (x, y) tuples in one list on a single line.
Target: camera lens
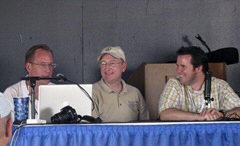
[(66, 115)]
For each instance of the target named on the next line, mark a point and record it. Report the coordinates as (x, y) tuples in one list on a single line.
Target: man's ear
[(124, 66), (199, 69), (28, 66)]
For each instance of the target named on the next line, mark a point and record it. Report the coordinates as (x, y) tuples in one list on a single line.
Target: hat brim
[(112, 54)]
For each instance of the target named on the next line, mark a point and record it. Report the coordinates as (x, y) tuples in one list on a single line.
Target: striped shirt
[(177, 95)]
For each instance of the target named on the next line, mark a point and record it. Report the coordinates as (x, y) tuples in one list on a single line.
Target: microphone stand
[(203, 42), (207, 90), (33, 80), (32, 119), (33, 84)]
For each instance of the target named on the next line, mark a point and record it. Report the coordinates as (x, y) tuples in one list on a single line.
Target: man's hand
[(211, 114)]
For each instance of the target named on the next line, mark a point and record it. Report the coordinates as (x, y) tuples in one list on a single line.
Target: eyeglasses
[(110, 64), (44, 65)]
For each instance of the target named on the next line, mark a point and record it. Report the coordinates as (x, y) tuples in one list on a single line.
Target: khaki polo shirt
[(126, 106)]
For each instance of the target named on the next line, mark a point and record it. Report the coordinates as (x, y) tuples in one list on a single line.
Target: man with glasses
[(115, 100), (38, 63)]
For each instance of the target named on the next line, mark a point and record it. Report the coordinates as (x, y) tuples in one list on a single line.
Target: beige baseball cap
[(5, 107), (116, 52)]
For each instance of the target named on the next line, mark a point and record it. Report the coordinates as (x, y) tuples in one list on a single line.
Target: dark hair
[(199, 57), (29, 57)]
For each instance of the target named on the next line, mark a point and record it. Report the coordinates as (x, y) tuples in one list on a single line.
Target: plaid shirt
[(177, 95)]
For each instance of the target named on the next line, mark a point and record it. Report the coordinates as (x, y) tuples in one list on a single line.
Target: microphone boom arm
[(59, 77), (203, 42), (33, 80)]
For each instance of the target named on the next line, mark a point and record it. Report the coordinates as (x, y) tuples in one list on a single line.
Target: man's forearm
[(173, 114)]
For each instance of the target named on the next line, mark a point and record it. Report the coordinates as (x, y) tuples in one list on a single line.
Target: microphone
[(31, 78), (60, 77), (35, 78), (207, 89)]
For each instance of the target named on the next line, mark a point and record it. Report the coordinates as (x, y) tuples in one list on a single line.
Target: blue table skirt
[(148, 134)]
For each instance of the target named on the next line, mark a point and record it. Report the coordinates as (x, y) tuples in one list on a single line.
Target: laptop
[(52, 98)]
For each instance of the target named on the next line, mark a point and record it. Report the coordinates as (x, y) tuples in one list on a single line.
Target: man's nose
[(178, 70)]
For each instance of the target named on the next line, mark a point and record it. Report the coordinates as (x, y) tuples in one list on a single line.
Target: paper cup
[(21, 108)]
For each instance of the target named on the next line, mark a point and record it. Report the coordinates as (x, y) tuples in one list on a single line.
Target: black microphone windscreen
[(207, 90), (60, 77)]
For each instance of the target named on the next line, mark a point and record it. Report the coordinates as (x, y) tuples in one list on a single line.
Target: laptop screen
[(52, 98)]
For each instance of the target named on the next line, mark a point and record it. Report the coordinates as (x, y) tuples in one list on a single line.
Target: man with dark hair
[(183, 98), (38, 62)]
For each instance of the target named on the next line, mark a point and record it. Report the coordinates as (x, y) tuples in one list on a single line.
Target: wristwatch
[(223, 112)]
